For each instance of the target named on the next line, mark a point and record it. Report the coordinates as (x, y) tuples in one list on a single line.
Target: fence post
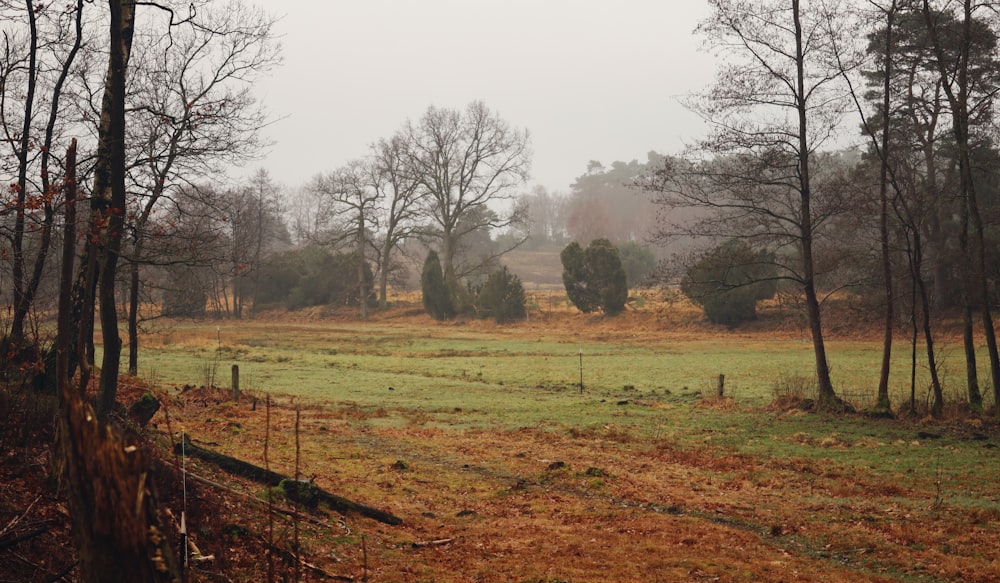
[(236, 382)]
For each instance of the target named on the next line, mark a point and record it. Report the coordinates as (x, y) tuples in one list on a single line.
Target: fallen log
[(253, 499), (271, 478), (432, 543), (9, 541)]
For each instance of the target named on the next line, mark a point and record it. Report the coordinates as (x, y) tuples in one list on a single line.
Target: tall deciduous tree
[(398, 199), (35, 71), (848, 61), (191, 110), (350, 202), (466, 162), (890, 298), (957, 82), (107, 209), (775, 103), (116, 524)]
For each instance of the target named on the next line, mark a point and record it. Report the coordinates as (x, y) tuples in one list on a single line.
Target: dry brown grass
[(590, 503), (584, 504)]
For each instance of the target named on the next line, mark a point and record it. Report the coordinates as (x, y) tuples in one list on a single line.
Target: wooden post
[(581, 371), (722, 385), (236, 382)]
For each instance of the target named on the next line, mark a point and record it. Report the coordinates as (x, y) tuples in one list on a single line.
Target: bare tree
[(271, 227), (546, 216), (194, 250), (849, 60), (107, 208), (398, 196), (775, 104), (116, 524), (925, 163), (466, 162), (191, 112), (40, 69), (902, 133), (958, 85), (305, 217), (247, 220), (350, 205)]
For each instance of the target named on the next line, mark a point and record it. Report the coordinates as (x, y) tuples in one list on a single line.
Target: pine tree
[(594, 277), (502, 297), (437, 299)]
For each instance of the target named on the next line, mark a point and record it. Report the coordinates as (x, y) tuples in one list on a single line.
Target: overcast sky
[(590, 80)]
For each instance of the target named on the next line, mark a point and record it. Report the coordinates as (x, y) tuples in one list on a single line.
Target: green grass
[(457, 378), (359, 363)]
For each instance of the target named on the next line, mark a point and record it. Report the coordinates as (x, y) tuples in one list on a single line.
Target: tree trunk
[(961, 115), (109, 187), (383, 276), (116, 523), (938, 405), (968, 324), (21, 302), (882, 404), (64, 328), (133, 313), (362, 283), (827, 396), (117, 527), (960, 126), (913, 339)]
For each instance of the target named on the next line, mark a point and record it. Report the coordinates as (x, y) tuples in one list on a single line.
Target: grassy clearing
[(659, 481), (358, 362), (463, 377)]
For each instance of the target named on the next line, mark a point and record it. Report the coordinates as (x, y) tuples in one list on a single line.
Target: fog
[(590, 80)]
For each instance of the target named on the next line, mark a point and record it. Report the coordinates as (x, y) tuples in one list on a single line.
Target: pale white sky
[(589, 79)]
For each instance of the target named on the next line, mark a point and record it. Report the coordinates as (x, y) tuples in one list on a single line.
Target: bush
[(436, 296), (794, 392), (311, 276), (576, 275), (729, 280), (461, 295), (594, 277), (502, 297), (638, 262)]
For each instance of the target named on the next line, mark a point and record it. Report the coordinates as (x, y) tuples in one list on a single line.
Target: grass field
[(357, 361), (642, 476)]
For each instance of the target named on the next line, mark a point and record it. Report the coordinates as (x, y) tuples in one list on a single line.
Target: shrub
[(576, 275), (638, 262), (594, 277), (436, 296), (502, 297), (728, 281), (311, 276), (790, 391), (461, 296)]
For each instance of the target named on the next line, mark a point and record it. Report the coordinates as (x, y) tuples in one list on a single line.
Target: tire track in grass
[(505, 479)]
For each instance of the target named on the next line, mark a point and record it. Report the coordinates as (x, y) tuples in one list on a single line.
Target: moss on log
[(270, 478)]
